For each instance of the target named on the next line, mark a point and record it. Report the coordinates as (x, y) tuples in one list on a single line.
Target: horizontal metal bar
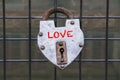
[(45, 60), (102, 38), (60, 17), (18, 39), (21, 17), (23, 39)]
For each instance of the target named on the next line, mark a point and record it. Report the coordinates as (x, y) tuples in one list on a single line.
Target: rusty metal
[(57, 41), (58, 10), (60, 43), (72, 35), (61, 53)]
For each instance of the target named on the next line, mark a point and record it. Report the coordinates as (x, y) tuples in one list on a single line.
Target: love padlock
[(60, 45)]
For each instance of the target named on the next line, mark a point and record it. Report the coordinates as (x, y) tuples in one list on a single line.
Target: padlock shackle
[(58, 10)]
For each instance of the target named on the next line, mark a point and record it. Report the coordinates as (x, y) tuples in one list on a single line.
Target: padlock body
[(71, 34)]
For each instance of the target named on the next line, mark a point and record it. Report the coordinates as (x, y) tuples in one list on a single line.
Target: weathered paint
[(71, 34)]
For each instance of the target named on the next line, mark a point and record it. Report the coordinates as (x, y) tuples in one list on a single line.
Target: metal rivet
[(62, 66), (80, 45), (42, 47), (40, 34), (72, 23), (60, 44)]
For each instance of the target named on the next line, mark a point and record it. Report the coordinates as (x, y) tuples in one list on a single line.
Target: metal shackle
[(58, 10)]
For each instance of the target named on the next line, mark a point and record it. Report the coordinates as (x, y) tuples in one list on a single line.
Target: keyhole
[(62, 57)]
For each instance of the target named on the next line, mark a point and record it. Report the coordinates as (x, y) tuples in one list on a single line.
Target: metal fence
[(79, 60)]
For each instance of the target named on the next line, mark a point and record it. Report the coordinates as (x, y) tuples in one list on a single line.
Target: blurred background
[(93, 49)]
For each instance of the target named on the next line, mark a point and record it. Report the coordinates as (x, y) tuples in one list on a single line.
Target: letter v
[(63, 35)]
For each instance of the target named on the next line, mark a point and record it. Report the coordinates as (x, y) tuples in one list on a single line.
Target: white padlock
[(60, 45)]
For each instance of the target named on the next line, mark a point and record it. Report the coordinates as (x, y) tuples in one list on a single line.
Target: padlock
[(60, 45)]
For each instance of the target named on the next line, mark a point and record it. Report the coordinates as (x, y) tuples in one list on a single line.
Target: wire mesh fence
[(20, 58)]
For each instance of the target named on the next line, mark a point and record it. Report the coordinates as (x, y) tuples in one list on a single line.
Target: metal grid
[(80, 61)]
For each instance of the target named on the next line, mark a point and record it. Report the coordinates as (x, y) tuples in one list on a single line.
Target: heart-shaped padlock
[(60, 45)]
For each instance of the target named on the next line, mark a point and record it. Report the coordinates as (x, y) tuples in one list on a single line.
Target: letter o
[(56, 34)]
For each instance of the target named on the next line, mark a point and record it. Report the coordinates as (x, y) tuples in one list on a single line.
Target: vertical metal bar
[(55, 19), (106, 40), (4, 40), (55, 14), (80, 56), (29, 5)]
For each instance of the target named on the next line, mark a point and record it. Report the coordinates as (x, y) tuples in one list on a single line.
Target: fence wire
[(30, 38)]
